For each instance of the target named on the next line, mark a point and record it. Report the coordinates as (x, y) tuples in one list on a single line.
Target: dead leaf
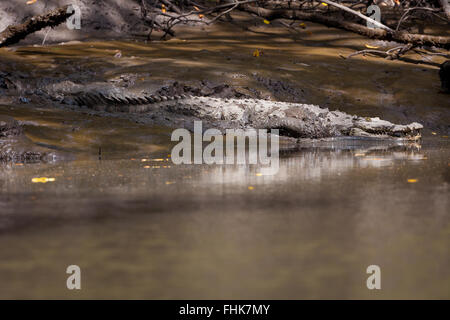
[(42, 180)]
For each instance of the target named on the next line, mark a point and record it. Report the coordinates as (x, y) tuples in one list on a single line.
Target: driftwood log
[(15, 33)]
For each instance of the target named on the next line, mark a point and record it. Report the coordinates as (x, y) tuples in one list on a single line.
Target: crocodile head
[(381, 129)]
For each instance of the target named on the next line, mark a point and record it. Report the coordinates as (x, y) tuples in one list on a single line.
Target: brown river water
[(141, 227)]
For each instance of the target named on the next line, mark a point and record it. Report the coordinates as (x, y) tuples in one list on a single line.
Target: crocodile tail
[(94, 99)]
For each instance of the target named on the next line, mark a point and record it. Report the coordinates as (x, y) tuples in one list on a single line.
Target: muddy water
[(144, 230), (141, 227)]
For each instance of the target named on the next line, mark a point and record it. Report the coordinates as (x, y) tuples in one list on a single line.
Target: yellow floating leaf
[(169, 182), (266, 21), (201, 16), (256, 53), (259, 174), (412, 180), (360, 154), (250, 188), (434, 133), (196, 8), (324, 4), (370, 47), (42, 180), (163, 8), (303, 25), (31, 1), (146, 167)]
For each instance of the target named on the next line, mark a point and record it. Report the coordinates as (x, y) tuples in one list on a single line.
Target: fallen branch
[(391, 54), (408, 11), (358, 14), (14, 34), (416, 40)]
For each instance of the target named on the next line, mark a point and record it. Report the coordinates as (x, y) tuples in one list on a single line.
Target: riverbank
[(244, 59), (140, 227)]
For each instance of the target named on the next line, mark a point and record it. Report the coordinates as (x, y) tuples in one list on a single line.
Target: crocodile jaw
[(380, 129)]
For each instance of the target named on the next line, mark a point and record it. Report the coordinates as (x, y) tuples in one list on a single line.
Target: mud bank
[(220, 61), (99, 19), (15, 146)]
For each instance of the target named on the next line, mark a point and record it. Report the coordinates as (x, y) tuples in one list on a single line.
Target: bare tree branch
[(14, 34)]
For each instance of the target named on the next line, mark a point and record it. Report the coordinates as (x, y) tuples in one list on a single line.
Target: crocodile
[(294, 120)]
